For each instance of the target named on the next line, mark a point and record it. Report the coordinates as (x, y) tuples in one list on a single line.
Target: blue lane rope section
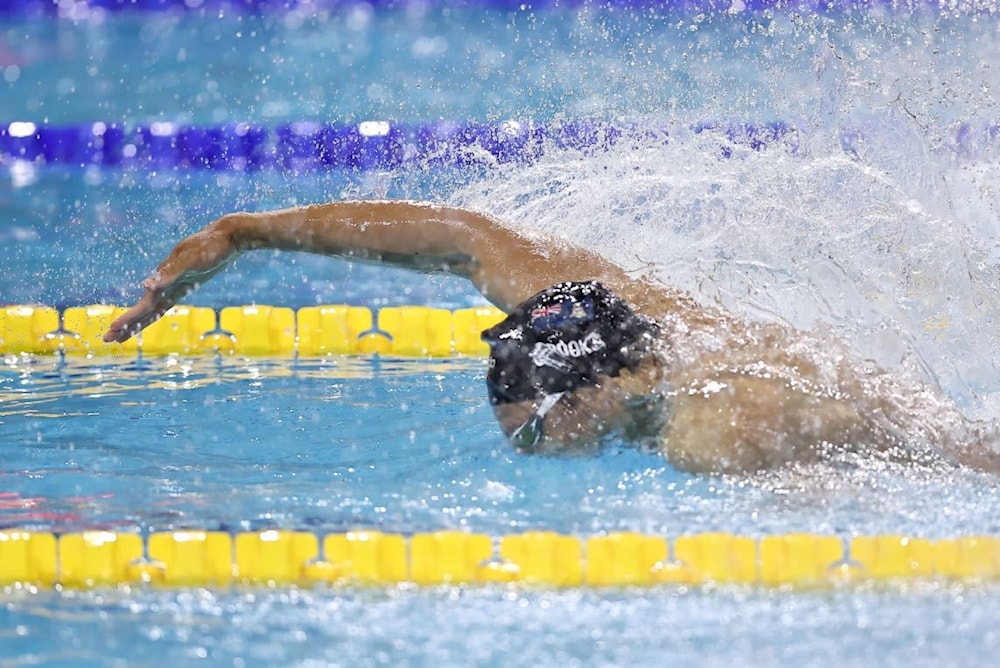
[(373, 145), (306, 146), (40, 8)]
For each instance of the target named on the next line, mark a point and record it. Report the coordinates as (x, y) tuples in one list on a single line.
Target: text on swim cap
[(552, 354)]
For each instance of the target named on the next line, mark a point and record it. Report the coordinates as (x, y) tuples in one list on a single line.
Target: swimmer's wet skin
[(590, 351)]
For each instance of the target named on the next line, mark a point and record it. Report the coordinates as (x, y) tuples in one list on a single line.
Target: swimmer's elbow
[(236, 230)]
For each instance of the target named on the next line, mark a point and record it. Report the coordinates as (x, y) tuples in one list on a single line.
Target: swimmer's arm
[(506, 266)]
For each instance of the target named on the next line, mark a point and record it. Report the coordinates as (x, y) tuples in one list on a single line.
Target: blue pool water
[(875, 221)]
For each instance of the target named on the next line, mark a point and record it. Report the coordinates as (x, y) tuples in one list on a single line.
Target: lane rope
[(282, 558), (257, 330), (308, 146), (367, 145)]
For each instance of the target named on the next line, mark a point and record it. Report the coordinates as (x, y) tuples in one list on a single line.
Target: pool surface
[(830, 169)]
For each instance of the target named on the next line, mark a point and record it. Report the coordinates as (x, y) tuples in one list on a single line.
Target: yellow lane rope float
[(404, 331), (282, 558)]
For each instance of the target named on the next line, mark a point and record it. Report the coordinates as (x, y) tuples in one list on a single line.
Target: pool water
[(486, 626), (399, 445), (875, 221), (410, 446)]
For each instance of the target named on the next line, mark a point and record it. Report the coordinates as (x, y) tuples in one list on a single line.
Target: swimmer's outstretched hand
[(192, 262), (160, 296)]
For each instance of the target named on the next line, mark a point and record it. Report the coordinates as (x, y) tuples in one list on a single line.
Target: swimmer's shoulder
[(660, 302)]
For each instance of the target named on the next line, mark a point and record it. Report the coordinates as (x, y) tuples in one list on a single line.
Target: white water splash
[(877, 220)]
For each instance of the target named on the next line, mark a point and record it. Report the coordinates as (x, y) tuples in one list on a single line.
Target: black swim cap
[(565, 337)]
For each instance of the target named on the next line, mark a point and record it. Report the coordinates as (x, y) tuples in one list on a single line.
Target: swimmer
[(590, 352)]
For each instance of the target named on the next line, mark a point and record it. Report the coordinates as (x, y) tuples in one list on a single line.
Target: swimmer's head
[(564, 338)]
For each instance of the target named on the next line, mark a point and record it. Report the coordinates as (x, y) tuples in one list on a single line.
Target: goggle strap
[(527, 436)]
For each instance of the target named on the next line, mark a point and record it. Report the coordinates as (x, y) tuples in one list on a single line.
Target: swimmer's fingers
[(137, 318), (159, 298)]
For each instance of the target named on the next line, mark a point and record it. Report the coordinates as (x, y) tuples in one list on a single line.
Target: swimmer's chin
[(561, 451)]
